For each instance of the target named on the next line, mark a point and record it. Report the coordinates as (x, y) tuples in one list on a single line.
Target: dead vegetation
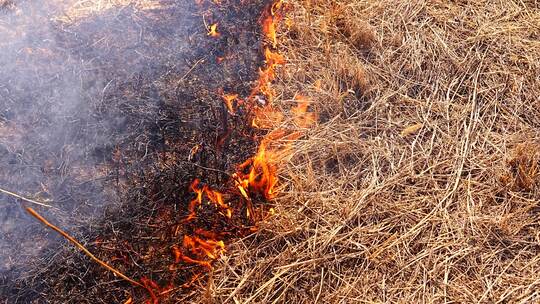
[(420, 182), (523, 168)]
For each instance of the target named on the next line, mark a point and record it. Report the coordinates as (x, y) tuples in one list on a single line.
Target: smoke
[(48, 135), (70, 94)]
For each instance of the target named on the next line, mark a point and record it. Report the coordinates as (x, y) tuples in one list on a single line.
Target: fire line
[(235, 211)]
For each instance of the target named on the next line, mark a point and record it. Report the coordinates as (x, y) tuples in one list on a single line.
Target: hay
[(420, 183)]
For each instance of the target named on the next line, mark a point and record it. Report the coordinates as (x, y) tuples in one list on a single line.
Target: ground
[(420, 181)]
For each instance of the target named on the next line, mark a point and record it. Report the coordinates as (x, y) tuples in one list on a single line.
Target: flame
[(193, 204), (254, 182), (258, 175), (202, 251), (269, 29), (266, 117), (276, 6), (262, 177), (213, 196), (151, 286), (212, 31), (210, 248), (217, 198), (273, 59), (269, 22), (189, 260)]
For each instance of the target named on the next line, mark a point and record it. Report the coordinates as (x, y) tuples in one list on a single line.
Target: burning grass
[(189, 183)]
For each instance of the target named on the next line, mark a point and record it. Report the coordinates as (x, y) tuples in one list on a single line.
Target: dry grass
[(421, 182)]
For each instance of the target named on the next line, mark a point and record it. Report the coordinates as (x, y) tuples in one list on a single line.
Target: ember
[(229, 101), (212, 31)]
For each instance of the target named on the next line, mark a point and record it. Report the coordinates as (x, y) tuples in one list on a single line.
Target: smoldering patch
[(100, 106)]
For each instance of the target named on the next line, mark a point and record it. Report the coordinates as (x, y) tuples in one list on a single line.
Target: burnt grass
[(118, 166)]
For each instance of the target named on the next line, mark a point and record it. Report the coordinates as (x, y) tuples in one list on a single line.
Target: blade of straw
[(24, 198)]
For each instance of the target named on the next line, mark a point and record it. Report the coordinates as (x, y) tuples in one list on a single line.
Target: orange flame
[(189, 260), (269, 29), (217, 198), (259, 173), (268, 74), (269, 22), (263, 174), (196, 201), (204, 251), (213, 196), (273, 59), (276, 6), (212, 249)]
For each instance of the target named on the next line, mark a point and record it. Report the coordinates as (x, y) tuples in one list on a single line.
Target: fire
[(257, 177), (254, 182), (269, 22), (262, 176), (151, 287), (217, 198), (212, 31), (276, 6), (214, 197), (201, 251), (269, 28), (196, 201), (214, 215), (266, 117), (273, 59), (198, 246)]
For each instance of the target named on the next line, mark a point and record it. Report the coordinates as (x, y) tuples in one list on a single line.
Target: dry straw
[(420, 183)]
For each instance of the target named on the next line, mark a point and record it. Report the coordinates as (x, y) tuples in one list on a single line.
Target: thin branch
[(82, 248)]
